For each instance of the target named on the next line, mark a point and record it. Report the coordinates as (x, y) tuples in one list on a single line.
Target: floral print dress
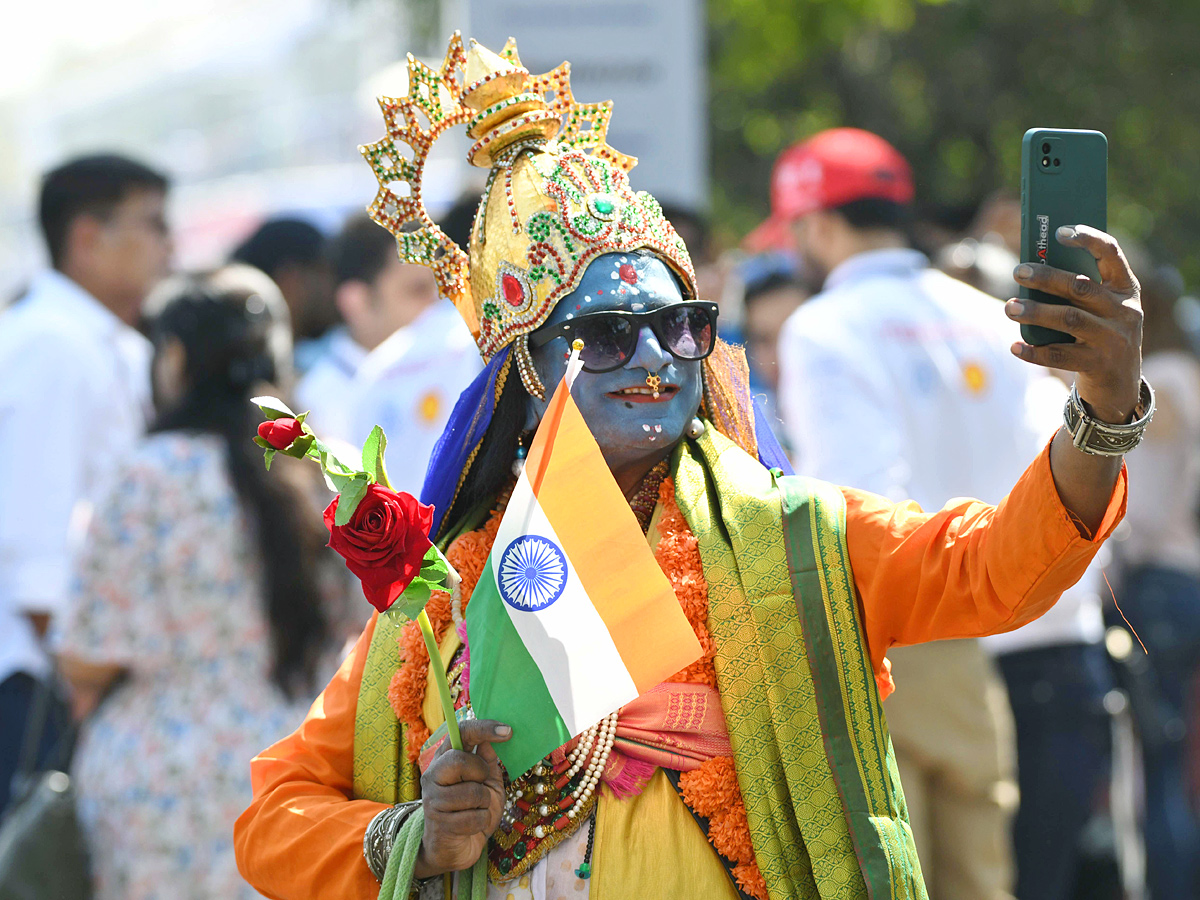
[(169, 587)]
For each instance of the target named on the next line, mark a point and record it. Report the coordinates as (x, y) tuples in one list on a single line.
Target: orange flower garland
[(711, 790)]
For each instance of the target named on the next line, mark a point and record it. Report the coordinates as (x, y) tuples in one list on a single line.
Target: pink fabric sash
[(674, 726)]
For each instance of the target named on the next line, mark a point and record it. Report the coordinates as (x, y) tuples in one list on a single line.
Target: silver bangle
[(381, 833), (1097, 438)]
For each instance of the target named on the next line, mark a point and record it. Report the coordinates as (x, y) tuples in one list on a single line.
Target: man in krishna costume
[(764, 769)]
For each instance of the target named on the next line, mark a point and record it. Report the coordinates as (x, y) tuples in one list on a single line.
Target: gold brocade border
[(381, 773)]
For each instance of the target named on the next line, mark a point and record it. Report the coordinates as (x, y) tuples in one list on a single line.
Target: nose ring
[(654, 382)]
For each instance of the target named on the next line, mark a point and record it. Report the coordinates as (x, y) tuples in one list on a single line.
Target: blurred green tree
[(954, 84)]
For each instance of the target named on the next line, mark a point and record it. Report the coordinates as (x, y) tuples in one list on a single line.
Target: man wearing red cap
[(898, 379)]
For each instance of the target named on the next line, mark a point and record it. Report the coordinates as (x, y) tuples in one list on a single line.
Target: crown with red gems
[(557, 195)]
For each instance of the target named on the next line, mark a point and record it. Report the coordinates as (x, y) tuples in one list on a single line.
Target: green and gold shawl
[(815, 764)]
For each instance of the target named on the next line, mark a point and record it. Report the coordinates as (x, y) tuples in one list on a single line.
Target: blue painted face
[(634, 430)]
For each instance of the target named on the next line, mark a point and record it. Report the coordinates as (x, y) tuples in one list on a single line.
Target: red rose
[(280, 433), (384, 541)]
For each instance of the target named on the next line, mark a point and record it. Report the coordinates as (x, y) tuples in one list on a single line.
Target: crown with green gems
[(557, 195)]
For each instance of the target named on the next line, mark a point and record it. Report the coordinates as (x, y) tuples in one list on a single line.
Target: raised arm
[(1105, 318), (970, 569)]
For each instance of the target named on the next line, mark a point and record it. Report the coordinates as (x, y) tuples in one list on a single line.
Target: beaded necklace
[(551, 801)]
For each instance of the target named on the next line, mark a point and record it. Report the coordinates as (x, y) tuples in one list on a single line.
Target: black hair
[(692, 227), (361, 250), (88, 185), (876, 213), (772, 281), (278, 242), (225, 326), (492, 466), (460, 219)]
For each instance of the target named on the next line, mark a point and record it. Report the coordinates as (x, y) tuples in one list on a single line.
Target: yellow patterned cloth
[(815, 767), (814, 761)]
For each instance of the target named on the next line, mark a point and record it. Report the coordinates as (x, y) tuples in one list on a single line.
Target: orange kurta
[(968, 570)]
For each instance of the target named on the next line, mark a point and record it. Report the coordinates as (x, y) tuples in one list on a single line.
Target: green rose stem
[(435, 658), (351, 484)]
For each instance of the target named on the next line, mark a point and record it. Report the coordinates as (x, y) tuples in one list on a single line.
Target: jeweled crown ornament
[(557, 194)]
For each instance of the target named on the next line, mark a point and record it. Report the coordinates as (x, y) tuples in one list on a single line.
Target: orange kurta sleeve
[(302, 836), (971, 569)]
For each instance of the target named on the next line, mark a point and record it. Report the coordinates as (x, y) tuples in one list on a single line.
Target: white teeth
[(641, 390)]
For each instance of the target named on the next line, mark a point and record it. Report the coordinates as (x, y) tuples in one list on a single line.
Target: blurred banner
[(647, 56)]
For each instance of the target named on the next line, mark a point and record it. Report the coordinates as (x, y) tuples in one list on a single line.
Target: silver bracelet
[(380, 836), (1097, 438)]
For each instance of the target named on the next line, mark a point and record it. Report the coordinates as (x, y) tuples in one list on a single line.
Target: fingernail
[(503, 731), (1014, 307), (1024, 270), (1066, 232)]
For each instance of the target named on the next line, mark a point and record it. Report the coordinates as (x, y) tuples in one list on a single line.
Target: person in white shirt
[(295, 254), (409, 386), (376, 295), (74, 391), (898, 379), (1159, 588)]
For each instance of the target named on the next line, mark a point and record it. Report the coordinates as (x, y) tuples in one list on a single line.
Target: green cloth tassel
[(472, 882), (398, 877)]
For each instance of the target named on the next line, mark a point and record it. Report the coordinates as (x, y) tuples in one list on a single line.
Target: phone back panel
[(1064, 181)]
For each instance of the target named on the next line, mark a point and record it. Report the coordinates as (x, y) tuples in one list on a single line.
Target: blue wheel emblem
[(532, 573)]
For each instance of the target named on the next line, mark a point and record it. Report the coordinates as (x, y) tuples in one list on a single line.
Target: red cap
[(828, 170)]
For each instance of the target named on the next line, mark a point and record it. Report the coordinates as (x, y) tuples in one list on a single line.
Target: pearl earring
[(695, 429), (518, 465)]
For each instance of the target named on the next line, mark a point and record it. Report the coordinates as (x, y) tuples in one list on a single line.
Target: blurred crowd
[(167, 607)]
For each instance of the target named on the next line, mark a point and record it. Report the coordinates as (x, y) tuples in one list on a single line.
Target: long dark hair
[(491, 469), (230, 324)]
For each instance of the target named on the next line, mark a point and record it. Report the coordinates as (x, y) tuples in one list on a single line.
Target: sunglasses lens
[(687, 331), (607, 341)]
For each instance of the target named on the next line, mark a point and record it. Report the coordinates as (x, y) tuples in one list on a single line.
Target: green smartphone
[(1064, 181)]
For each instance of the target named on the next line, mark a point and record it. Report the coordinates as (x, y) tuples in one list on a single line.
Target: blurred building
[(254, 107)]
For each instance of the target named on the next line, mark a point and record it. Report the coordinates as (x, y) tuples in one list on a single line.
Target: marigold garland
[(711, 790)]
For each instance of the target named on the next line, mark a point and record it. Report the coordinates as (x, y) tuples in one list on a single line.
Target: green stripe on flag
[(506, 684)]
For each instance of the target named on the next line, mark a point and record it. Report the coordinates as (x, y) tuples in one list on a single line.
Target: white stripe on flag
[(568, 640)]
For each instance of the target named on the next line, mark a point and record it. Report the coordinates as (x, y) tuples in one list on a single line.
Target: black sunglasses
[(685, 330)]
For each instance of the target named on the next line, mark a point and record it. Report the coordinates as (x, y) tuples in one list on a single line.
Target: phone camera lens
[(1046, 148), (1045, 162), (1057, 162)]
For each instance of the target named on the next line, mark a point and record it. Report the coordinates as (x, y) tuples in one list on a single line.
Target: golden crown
[(557, 195)]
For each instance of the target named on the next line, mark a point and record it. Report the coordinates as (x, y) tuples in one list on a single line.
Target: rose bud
[(280, 433)]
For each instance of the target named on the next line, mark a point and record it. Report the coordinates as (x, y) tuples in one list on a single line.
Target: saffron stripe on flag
[(597, 529), (514, 692), (567, 636)]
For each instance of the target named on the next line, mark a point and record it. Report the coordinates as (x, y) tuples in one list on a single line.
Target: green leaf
[(299, 447), (304, 415), (372, 455), (268, 456), (351, 495), (273, 407), (413, 600), (434, 567), (262, 443)]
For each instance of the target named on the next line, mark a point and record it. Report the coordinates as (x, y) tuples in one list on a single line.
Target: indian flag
[(572, 617)]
